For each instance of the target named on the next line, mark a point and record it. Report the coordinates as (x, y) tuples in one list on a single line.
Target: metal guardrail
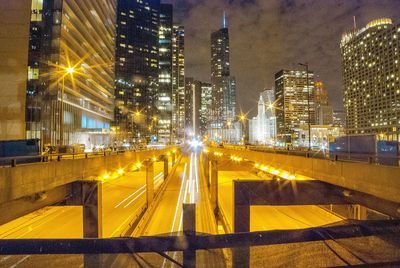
[(13, 161)]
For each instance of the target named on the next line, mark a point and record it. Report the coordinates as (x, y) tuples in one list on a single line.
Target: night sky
[(269, 35)]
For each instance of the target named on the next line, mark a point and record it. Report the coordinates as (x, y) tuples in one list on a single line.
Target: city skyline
[(286, 26)]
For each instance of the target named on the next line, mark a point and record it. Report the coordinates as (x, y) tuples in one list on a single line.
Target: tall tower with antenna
[(223, 84)]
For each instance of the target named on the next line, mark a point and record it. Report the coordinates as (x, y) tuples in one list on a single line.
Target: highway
[(123, 200), (187, 185)]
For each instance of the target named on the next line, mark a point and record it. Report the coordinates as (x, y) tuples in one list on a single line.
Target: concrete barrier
[(380, 181), (25, 180)]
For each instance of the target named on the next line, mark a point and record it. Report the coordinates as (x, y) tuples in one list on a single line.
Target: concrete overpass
[(200, 179), (377, 180), (28, 187)]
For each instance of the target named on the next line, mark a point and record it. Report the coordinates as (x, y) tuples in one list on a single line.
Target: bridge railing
[(13, 161), (323, 154), (190, 242)]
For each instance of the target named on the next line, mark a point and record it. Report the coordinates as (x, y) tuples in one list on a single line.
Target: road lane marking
[(179, 197), (20, 261), (197, 174), (144, 186), (144, 191), (183, 180)]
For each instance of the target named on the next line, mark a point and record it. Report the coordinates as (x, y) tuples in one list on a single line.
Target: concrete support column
[(206, 164), (149, 181), (92, 209), (189, 231), (214, 185), (92, 218), (165, 160), (173, 155), (241, 223)]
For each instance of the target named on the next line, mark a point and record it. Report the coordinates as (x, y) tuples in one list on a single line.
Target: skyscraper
[(178, 83), (164, 94), (136, 69), (224, 85), (70, 88), (205, 107), (295, 102), (323, 111), (262, 128), (371, 93), (189, 88), (13, 49)]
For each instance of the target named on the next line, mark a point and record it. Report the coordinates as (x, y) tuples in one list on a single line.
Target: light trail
[(192, 187), (183, 195), (139, 195), (190, 177), (197, 174), (179, 197), (138, 190)]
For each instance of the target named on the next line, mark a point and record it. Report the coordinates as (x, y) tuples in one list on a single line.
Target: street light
[(243, 118), (68, 71), (308, 105)]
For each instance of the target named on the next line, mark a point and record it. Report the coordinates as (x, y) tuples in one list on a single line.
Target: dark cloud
[(269, 35)]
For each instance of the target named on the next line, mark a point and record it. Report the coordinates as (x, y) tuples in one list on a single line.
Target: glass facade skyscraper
[(164, 93), (224, 85), (70, 88), (136, 70), (178, 83)]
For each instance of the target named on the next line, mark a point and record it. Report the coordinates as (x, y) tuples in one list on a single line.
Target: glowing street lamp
[(243, 118), (68, 71)]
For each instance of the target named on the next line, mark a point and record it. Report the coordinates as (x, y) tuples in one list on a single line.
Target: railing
[(320, 154), (194, 242), (13, 161)]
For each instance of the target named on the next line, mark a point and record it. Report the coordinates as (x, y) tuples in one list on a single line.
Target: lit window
[(33, 73), (36, 10)]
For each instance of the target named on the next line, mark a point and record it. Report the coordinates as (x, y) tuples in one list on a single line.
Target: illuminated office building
[(76, 37), (205, 107), (164, 93), (189, 89), (295, 103), (224, 85), (178, 83), (136, 73), (193, 107), (371, 73)]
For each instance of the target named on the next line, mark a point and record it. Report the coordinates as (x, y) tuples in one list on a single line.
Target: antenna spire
[(224, 21), (354, 23)]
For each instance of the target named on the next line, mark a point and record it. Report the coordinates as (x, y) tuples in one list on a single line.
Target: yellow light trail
[(157, 178)]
